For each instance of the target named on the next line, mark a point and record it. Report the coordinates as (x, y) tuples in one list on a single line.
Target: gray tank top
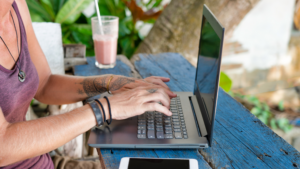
[(16, 96)]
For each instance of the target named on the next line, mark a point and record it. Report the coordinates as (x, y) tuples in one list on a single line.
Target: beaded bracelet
[(108, 122), (97, 112)]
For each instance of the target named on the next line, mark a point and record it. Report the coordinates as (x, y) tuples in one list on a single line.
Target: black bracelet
[(97, 112), (109, 111), (102, 110)]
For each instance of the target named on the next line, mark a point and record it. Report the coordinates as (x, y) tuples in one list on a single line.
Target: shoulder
[(24, 12)]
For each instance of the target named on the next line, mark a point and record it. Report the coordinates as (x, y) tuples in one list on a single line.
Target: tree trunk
[(178, 27)]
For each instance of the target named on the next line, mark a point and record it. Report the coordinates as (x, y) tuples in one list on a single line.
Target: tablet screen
[(138, 163)]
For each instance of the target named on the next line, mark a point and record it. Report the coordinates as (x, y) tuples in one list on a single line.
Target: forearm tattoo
[(152, 90), (120, 82), (93, 86)]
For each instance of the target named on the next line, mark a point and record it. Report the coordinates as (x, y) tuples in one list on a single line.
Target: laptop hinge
[(198, 115)]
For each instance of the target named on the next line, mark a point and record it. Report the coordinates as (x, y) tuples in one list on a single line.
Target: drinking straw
[(99, 17)]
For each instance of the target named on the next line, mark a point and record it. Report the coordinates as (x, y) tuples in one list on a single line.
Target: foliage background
[(76, 27)]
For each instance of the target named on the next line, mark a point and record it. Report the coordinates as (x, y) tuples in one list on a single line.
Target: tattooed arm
[(63, 89)]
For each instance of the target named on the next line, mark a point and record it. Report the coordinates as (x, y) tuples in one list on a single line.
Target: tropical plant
[(263, 112), (129, 13), (68, 13)]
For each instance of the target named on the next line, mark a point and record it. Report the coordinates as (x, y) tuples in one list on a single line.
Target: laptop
[(191, 124)]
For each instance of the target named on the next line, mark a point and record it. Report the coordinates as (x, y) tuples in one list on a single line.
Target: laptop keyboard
[(155, 125)]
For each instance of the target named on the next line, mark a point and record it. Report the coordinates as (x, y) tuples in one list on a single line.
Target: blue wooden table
[(240, 139)]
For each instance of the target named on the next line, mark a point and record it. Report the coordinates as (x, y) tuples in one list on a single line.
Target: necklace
[(21, 74)]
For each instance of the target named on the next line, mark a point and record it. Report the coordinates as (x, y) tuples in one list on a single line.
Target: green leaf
[(263, 119), (71, 10), (273, 124), (36, 18), (157, 3), (35, 7), (283, 122), (256, 111), (48, 7), (266, 107), (281, 105), (57, 5), (225, 82), (127, 45)]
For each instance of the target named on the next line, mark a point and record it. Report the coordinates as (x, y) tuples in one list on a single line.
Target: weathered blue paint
[(240, 139), (91, 70)]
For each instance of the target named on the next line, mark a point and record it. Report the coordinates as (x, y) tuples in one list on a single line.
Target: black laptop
[(191, 124)]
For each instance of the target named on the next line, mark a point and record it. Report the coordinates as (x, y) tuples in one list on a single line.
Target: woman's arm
[(62, 89), (23, 140)]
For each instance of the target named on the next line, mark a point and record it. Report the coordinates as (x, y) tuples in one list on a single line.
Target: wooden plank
[(112, 157), (102, 162), (123, 67), (240, 139)]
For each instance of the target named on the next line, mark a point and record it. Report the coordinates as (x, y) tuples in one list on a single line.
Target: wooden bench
[(240, 139)]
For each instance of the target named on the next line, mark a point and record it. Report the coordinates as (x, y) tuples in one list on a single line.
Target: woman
[(24, 74)]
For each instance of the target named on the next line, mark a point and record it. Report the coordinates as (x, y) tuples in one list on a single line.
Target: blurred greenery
[(263, 113), (225, 82), (129, 34), (76, 27)]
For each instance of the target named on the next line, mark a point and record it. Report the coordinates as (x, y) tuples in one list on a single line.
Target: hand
[(121, 83), (137, 101)]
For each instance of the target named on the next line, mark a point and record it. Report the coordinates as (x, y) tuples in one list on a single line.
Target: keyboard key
[(159, 129), (141, 127), (177, 130), (175, 120), (150, 128), (150, 120), (160, 135), (143, 131), (175, 117), (167, 121), (141, 120), (142, 136), (167, 118), (159, 125), (176, 127), (150, 125), (168, 131), (184, 129), (185, 136), (168, 125), (139, 131), (168, 128), (168, 136), (176, 123), (150, 134), (141, 123), (178, 136), (184, 133)]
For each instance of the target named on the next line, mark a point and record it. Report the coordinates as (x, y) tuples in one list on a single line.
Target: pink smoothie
[(105, 48)]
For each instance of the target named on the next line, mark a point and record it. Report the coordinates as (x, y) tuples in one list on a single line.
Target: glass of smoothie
[(105, 41)]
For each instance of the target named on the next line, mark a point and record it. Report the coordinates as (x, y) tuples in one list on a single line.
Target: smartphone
[(158, 163)]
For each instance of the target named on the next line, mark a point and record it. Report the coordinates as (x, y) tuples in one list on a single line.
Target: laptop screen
[(206, 83)]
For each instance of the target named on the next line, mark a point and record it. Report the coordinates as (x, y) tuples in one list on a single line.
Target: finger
[(160, 82), (164, 79), (159, 96), (157, 107)]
